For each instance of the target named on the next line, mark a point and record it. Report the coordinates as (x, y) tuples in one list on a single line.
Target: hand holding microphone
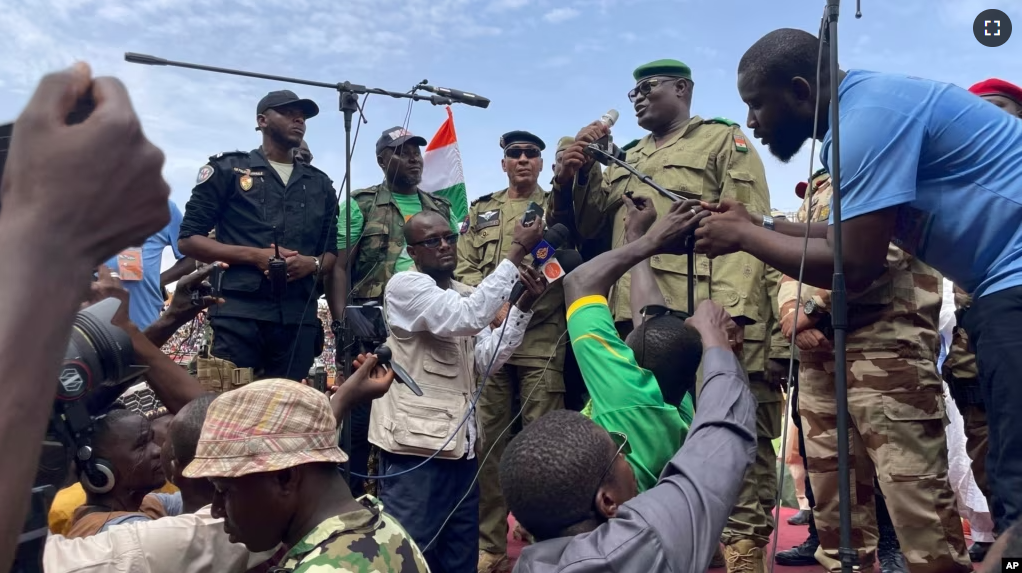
[(575, 157)]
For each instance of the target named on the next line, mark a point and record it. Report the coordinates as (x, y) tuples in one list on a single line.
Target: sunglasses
[(516, 152), (434, 243), (623, 449), (646, 86)]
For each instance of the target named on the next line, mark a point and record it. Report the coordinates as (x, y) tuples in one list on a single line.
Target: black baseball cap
[(396, 137), (285, 97)]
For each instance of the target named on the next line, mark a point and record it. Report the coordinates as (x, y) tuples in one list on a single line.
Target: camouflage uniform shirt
[(363, 541)]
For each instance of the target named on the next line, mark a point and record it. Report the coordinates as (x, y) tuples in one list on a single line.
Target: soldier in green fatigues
[(534, 371), (378, 216), (694, 158)]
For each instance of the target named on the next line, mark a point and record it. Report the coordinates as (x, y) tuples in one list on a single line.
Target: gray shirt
[(676, 525)]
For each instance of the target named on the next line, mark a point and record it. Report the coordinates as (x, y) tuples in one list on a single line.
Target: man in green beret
[(534, 373), (695, 158)]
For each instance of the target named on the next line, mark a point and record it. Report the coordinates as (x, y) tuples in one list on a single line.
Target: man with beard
[(377, 252), (533, 374), (695, 159), (258, 202), (1004, 95), (923, 162)]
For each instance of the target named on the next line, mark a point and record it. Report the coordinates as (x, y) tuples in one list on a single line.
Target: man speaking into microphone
[(534, 373), (693, 158)]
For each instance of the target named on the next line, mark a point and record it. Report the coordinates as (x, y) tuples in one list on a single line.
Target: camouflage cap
[(671, 68), (564, 143), (265, 426)]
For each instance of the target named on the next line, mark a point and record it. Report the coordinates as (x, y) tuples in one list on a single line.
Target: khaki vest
[(444, 368)]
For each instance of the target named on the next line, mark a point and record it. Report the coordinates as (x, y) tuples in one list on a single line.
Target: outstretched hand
[(672, 233), (721, 233), (639, 216)]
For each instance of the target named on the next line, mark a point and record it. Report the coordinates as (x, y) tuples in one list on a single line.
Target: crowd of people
[(544, 360)]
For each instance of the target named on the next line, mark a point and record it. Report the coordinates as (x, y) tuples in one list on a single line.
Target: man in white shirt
[(441, 335)]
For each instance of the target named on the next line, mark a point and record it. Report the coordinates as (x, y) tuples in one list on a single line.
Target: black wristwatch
[(336, 327), (810, 307)]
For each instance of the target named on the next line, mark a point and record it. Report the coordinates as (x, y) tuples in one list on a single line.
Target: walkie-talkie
[(278, 270)]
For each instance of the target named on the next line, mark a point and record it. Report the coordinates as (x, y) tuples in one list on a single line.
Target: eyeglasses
[(623, 449), (434, 243), (646, 86), (516, 152)]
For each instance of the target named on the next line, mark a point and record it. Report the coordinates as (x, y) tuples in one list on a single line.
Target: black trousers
[(270, 349), (422, 499), (994, 326)]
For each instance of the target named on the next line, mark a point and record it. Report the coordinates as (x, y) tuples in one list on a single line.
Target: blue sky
[(549, 67)]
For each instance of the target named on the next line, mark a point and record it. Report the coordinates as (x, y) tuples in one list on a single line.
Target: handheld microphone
[(606, 143), (384, 357), (459, 96), (542, 254)]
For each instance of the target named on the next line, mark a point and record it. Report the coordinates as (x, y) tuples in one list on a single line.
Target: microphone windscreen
[(557, 235), (569, 259)]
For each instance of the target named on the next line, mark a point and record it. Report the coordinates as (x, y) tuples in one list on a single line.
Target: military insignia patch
[(463, 227), (204, 174), (824, 213), (488, 219), (246, 182), (740, 144)]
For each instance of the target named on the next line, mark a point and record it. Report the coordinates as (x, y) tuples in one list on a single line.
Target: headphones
[(97, 474)]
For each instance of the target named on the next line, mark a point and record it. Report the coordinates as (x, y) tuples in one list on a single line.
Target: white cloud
[(503, 5), (558, 15)]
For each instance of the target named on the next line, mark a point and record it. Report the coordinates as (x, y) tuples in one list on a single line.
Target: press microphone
[(542, 254), (459, 96), (610, 118)]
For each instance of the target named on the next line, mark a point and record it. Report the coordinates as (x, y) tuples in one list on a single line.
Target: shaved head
[(420, 225)]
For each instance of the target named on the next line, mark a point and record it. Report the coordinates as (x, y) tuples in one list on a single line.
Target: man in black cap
[(378, 216), (260, 201), (534, 374)]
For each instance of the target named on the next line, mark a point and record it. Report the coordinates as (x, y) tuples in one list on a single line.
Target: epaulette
[(440, 199), (318, 170), (630, 144), (819, 172), (486, 197), (722, 120), (223, 154)]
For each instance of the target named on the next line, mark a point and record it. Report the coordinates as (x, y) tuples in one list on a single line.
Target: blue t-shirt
[(146, 297), (951, 160)]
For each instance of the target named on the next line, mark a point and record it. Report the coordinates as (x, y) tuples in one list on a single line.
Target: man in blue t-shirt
[(139, 271), (924, 165)]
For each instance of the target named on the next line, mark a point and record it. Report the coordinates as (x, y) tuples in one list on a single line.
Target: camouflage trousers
[(544, 389), (752, 516), (896, 426)]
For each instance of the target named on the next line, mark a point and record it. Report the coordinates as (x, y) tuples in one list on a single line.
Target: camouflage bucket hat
[(265, 426)]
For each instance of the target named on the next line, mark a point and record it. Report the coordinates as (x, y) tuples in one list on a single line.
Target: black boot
[(800, 518), (978, 551), (888, 549), (804, 554)]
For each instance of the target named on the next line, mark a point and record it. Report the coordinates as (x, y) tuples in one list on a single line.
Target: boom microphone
[(459, 96), (542, 254)]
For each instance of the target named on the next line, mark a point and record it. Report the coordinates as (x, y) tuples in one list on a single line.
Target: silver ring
[(115, 275)]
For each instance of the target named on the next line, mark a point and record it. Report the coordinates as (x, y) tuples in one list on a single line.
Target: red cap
[(994, 86), (800, 189)]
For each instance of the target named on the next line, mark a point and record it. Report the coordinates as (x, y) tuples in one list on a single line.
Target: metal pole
[(349, 105), (839, 314)]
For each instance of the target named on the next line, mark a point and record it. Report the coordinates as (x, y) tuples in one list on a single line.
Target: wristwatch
[(768, 222), (319, 265), (810, 307), (336, 327)]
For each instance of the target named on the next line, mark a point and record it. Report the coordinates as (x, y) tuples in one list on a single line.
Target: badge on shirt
[(246, 182), (205, 172), (463, 227), (488, 219), (740, 144), (129, 264)]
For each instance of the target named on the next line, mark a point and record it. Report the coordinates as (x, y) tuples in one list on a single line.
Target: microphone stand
[(349, 93), (674, 197), (839, 314)]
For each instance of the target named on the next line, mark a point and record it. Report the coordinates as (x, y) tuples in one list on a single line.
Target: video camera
[(369, 328), (98, 367)]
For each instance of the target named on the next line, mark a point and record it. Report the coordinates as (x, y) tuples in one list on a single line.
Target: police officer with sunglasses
[(535, 371)]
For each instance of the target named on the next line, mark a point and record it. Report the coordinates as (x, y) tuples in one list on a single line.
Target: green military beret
[(672, 68), (512, 137), (564, 143)]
